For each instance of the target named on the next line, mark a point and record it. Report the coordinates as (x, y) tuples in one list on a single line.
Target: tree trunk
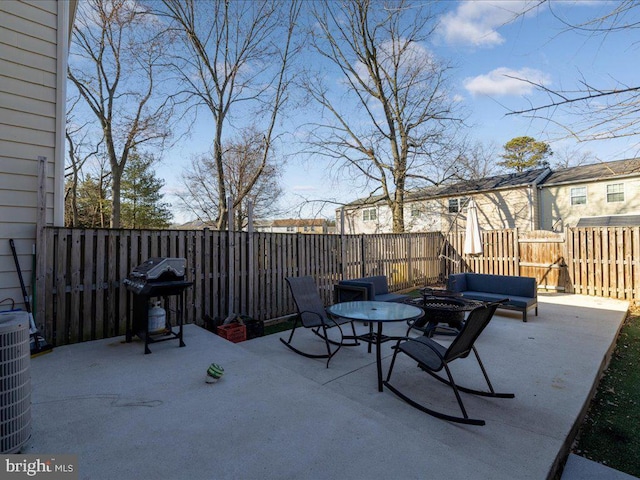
[(222, 189), (398, 211), (115, 200)]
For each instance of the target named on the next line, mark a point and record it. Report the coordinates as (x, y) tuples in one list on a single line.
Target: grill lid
[(155, 267)]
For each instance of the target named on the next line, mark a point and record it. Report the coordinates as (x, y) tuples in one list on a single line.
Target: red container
[(233, 332)]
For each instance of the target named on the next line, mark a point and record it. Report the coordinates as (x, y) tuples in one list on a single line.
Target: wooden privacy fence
[(80, 295), (602, 261)]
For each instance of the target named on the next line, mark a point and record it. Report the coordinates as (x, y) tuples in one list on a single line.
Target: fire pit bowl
[(442, 308)]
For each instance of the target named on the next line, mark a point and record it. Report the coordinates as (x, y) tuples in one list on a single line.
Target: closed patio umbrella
[(472, 239)]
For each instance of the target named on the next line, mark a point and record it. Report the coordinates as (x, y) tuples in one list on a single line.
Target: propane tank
[(157, 318)]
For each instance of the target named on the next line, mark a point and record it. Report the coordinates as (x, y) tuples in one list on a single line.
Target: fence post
[(343, 245), (516, 250), (251, 275), (363, 272), (41, 254), (409, 269), (230, 260)]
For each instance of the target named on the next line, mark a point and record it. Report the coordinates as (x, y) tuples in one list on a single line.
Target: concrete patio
[(277, 415)]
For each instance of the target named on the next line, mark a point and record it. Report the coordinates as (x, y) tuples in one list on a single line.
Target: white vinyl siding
[(29, 98)]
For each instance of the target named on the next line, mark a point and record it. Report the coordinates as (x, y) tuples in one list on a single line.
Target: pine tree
[(525, 153), (93, 201), (142, 205)]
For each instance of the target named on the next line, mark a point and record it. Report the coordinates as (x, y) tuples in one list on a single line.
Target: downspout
[(541, 208), (531, 196)]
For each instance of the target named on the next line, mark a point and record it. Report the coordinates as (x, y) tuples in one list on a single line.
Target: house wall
[(354, 222), (497, 210), (33, 44), (556, 211)]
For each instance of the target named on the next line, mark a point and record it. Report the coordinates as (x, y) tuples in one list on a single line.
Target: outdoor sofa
[(373, 288), (521, 291)]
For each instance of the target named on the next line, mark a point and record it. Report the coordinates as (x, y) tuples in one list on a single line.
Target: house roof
[(496, 182), (594, 172), (466, 187), (194, 225), (543, 177), (299, 222)]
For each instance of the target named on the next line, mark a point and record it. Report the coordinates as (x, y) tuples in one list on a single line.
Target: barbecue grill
[(156, 277)]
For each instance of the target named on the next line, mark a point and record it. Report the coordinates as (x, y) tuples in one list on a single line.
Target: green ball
[(215, 370)]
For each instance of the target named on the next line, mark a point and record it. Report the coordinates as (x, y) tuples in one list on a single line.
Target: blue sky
[(487, 44)]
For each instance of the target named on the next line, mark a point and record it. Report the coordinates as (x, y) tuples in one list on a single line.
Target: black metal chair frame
[(424, 350), (318, 320)]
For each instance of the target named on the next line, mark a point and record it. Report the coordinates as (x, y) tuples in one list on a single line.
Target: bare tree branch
[(236, 62), (595, 113), (115, 50), (394, 119)]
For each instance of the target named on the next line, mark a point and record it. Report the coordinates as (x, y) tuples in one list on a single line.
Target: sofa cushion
[(370, 287), (377, 289), (501, 284), (457, 282), (514, 300), (378, 283)]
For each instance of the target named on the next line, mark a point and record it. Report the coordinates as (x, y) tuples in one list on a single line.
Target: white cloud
[(505, 81), (476, 23)]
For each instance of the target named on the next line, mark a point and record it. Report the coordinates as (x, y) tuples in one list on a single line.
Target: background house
[(294, 225), (591, 195), (34, 47), (504, 201), (601, 194)]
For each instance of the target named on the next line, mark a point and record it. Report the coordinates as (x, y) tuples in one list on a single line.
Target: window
[(369, 215), (415, 211), (453, 205), (615, 192), (579, 196), (291, 229)]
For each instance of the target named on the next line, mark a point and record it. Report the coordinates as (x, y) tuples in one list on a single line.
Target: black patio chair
[(433, 357), (312, 314)]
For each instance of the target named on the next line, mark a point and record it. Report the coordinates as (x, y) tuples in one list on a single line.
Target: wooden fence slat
[(635, 257), (620, 263), (101, 282), (613, 270), (123, 271), (597, 263), (45, 287), (88, 281), (74, 286), (628, 264), (60, 308)]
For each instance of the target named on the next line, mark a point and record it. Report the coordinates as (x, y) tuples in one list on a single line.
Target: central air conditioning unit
[(15, 381)]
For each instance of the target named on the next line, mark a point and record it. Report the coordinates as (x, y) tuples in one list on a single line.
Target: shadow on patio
[(276, 414)]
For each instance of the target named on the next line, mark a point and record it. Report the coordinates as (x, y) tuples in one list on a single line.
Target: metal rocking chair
[(312, 314), (433, 357)]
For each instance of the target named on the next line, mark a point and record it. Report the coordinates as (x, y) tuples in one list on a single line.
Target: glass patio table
[(379, 313)]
